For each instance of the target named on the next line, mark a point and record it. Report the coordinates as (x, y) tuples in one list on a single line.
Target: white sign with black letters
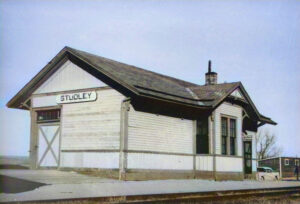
[(77, 97)]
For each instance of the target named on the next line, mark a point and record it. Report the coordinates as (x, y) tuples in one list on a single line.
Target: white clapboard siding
[(254, 165), (159, 161), (69, 77), (43, 101), (229, 164), (152, 132), (204, 163), (92, 125), (103, 160), (237, 94), (228, 110)]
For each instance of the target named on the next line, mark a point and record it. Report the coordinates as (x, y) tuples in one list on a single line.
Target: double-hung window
[(228, 136)]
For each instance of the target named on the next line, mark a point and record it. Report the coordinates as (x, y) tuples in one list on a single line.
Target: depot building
[(92, 113)]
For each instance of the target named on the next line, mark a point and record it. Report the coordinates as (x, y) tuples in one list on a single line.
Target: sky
[(255, 42)]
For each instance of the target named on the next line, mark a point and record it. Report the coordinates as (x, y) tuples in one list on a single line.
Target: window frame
[(286, 162), (198, 136), (56, 119), (229, 135)]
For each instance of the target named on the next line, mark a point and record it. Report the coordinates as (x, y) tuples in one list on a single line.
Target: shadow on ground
[(12, 166), (15, 185)]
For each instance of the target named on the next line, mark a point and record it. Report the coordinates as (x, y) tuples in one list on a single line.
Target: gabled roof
[(139, 82)]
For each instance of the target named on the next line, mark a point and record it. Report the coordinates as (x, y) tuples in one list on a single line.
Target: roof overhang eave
[(204, 107)]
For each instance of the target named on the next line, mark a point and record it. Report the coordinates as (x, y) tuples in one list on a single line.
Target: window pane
[(224, 134), (232, 145), (232, 128), (224, 145), (224, 126), (48, 115), (232, 136), (202, 139)]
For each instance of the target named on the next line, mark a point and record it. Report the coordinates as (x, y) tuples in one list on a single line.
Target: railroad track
[(230, 196)]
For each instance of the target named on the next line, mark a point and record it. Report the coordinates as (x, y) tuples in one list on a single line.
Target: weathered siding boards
[(43, 101), (92, 125), (150, 132), (229, 110), (69, 77), (101, 160), (229, 164), (204, 163), (159, 161)]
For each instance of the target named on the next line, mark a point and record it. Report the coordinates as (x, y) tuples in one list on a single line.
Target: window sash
[(232, 145), (224, 127), (48, 115), (228, 135), (224, 145), (232, 128)]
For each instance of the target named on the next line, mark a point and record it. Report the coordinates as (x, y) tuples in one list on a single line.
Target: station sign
[(76, 97)]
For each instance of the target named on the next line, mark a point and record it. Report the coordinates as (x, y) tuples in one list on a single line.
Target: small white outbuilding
[(89, 112)]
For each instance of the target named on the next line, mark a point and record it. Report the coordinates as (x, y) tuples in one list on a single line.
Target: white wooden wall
[(159, 161), (86, 127), (102, 160), (92, 125), (204, 163), (152, 132), (43, 101), (229, 110), (89, 125), (69, 77), (237, 93), (229, 164)]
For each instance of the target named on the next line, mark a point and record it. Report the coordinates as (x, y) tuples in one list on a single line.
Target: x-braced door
[(48, 153)]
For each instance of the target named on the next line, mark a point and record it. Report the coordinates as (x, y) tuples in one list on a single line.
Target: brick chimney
[(211, 78)]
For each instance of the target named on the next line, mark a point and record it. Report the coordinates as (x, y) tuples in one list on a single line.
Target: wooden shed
[(89, 112), (284, 165)]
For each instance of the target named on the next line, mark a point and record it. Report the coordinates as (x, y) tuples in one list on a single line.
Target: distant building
[(89, 112), (284, 165)]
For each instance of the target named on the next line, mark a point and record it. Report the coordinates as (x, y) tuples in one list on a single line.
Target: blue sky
[(256, 42)]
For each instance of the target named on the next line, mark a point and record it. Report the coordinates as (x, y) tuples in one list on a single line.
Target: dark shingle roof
[(152, 83), (141, 82)]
